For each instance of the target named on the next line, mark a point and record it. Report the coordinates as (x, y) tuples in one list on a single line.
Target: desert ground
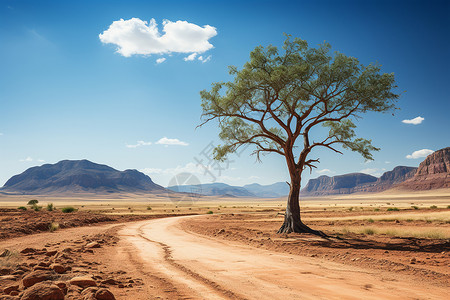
[(391, 245)]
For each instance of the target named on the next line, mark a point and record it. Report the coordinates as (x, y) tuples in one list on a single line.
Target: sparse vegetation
[(433, 207), (210, 212), (50, 207), (393, 209), (416, 232), (53, 226), (370, 220), (350, 209), (376, 209), (33, 202), (415, 207), (369, 231), (22, 208), (149, 208), (68, 209)]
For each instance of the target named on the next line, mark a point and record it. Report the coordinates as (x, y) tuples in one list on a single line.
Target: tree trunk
[(292, 220)]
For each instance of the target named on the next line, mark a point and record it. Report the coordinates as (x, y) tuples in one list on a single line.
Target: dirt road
[(196, 267)]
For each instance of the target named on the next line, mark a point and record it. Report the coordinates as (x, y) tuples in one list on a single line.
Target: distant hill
[(76, 176), (275, 190), (433, 172), (342, 184), (213, 189)]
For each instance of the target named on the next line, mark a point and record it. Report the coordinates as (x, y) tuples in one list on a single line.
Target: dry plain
[(391, 245)]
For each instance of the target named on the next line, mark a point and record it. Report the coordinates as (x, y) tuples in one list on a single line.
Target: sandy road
[(203, 268)]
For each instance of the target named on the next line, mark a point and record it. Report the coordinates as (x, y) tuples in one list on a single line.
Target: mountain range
[(83, 176), (77, 176)]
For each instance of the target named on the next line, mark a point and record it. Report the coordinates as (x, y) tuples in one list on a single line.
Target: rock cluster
[(61, 273)]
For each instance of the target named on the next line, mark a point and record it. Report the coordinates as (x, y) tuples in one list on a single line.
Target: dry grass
[(430, 233)]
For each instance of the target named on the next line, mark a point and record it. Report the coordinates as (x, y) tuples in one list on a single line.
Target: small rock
[(10, 288), (93, 245), (43, 291), (5, 271), (58, 268), (412, 260), (28, 250), (51, 253), (110, 281), (35, 277), (104, 294), (83, 281), (5, 253)]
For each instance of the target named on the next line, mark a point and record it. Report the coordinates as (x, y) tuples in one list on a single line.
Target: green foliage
[(376, 209), (33, 202), (280, 95), (50, 207), (68, 209), (415, 207), (22, 208), (369, 231), (370, 220), (392, 209), (433, 207), (350, 208), (210, 212), (149, 208)]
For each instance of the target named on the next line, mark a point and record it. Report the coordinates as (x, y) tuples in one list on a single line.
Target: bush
[(433, 206), (369, 231), (415, 207), (36, 208), (68, 209), (53, 227), (22, 208), (210, 212), (33, 202), (393, 209), (149, 208), (350, 209), (370, 220), (376, 209), (50, 207)]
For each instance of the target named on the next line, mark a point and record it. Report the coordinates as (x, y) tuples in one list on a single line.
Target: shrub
[(370, 220), (369, 231), (36, 208), (433, 206), (210, 212), (68, 209), (350, 209), (149, 208), (415, 207), (50, 207), (393, 209), (53, 226), (448, 206), (33, 202), (376, 209), (22, 208)]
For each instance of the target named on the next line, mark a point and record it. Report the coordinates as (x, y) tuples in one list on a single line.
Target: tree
[(279, 97)]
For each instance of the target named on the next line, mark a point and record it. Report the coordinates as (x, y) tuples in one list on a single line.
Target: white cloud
[(419, 154), (190, 57), (41, 160), (138, 37), (160, 60), (203, 60), (415, 121), (324, 171), (139, 144), (167, 141), (373, 171), (387, 162), (28, 159)]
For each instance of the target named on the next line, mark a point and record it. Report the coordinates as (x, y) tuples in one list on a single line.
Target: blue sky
[(64, 94)]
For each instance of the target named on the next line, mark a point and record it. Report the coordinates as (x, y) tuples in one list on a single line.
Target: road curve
[(204, 268)]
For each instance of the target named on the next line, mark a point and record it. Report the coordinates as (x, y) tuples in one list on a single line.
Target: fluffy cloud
[(415, 121), (190, 57), (138, 37), (419, 154), (160, 60), (373, 171), (139, 144), (204, 59), (28, 159), (167, 141), (324, 171)]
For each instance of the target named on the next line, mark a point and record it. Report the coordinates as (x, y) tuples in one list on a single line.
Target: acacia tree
[(278, 98)]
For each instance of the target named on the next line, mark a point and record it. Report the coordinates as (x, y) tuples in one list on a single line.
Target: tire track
[(171, 261)]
